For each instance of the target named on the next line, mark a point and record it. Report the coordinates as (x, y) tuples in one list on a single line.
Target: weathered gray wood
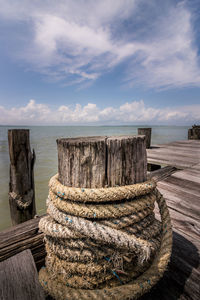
[(189, 175), (99, 161), (82, 161), (173, 157), (181, 154), (164, 162), (191, 144), (177, 150), (147, 133), (126, 160), (185, 203), (162, 173), (19, 278), (184, 185), (20, 237), (21, 187)]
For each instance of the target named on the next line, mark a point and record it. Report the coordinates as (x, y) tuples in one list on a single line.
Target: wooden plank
[(184, 143), (182, 153), (184, 185), (189, 175), (181, 202), (19, 278), (19, 232), (186, 226), (175, 158), (161, 173), (196, 167), (179, 164), (21, 237)]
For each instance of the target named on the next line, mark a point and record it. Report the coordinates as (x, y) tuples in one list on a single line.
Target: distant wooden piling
[(194, 133), (147, 133), (94, 162), (21, 187)]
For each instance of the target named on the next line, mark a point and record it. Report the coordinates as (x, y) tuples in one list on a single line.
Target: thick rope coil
[(104, 243), (102, 194)]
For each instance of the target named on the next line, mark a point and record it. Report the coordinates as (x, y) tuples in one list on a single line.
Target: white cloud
[(78, 41), (130, 112)]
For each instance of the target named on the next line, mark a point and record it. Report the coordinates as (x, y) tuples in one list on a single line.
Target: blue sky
[(99, 62)]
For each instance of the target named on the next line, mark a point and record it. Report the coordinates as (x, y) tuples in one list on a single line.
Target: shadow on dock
[(181, 276)]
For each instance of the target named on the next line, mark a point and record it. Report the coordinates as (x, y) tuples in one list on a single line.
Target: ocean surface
[(43, 140)]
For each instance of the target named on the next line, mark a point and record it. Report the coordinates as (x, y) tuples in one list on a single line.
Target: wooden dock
[(180, 154), (181, 189), (182, 193)]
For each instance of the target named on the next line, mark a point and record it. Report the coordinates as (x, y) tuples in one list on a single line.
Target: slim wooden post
[(147, 133), (21, 187), (194, 133), (100, 161)]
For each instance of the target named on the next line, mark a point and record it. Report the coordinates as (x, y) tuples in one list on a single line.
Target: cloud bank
[(135, 112), (76, 42)]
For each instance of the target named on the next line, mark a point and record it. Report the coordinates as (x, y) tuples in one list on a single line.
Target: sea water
[(43, 140)]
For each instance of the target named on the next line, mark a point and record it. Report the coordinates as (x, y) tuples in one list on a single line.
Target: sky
[(102, 62)]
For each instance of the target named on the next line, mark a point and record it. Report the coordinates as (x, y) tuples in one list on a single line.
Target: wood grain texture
[(180, 154), (99, 161), (126, 160), (21, 175), (82, 162), (19, 278), (20, 237), (162, 173)]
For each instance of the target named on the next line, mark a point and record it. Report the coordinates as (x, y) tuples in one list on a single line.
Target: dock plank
[(181, 190), (174, 163), (182, 185), (19, 278), (180, 154), (190, 175), (21, 237)]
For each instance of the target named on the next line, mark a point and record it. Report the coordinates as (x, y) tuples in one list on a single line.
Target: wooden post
[(147, 133), (21, 187), (194, 133), (99, 161)]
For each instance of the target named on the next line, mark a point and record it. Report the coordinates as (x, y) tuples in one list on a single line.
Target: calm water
[(43, 140)]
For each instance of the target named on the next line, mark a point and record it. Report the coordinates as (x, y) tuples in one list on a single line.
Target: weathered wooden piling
[(94, 162), (21, 187), (194, 133), (147, 133)]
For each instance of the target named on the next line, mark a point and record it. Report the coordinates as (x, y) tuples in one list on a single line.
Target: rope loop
[(22, 202)]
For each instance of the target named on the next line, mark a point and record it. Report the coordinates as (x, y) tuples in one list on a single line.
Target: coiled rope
[(104, 243)]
